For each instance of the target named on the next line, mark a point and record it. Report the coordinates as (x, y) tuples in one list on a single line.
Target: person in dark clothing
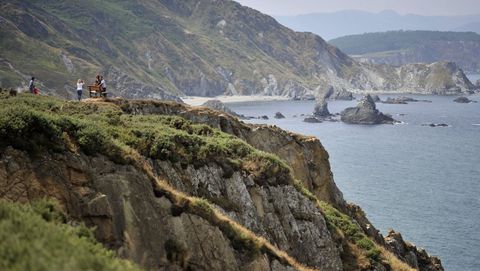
[(31, 86), (98, 80)]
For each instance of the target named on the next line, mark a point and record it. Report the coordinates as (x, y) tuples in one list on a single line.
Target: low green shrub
[(352, 230), (28, 129), (32, 238)]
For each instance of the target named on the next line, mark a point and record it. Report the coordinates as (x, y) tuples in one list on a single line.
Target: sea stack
[(321, 108), (365, 113)]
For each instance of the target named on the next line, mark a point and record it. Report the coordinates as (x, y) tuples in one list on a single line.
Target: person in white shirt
[(104, 85), (79, 89)]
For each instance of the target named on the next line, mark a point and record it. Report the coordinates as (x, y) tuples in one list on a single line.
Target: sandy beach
[(195, 100)]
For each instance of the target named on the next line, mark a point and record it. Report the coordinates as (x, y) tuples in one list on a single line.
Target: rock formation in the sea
[(312, 119), (365, 113), (320, 112), (435, 124), (321, 108), (394, 101), (220, 106), (463, 100), (279, 115), (403, 100)]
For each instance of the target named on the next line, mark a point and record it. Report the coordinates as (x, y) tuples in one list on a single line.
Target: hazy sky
[(421, 7)]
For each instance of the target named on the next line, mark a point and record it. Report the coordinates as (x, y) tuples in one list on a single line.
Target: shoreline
[(197, 100)]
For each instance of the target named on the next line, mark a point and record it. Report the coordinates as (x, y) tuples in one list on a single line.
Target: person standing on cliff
[(31, 85), (103, 84), (79, 89)]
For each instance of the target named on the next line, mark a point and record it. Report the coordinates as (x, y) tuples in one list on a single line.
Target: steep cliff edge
[(166, 188)]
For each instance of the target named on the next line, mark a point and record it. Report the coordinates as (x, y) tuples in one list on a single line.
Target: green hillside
[(409, 47), (193, 47), (166, 49), (397, 40)]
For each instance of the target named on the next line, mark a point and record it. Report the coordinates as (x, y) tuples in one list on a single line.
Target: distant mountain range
[(350, 22), (405, 47)]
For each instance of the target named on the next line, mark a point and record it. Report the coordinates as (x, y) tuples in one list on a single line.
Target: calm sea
[(421, 181)]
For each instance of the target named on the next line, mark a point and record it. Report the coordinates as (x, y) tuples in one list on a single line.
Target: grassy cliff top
[(38, 123)]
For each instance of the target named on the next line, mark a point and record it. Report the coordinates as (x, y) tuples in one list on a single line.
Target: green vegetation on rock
[(34, 123), (337, 220), (352, 230), (34, 237)]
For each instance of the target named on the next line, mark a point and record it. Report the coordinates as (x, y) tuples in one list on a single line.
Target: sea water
[(421, 181)]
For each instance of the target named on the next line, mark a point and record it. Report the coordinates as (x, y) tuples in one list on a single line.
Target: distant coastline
[(196, 100)]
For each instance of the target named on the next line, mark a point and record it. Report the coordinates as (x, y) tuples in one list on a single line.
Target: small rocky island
[(403, 100), (279, 115), (463, 100), (435, 125), (320, 112), (365, 113)]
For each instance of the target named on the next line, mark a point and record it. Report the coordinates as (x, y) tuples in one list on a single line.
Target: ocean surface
[(421, 181)]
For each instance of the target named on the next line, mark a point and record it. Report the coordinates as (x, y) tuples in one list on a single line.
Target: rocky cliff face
[(440, 78), (305, 155), (169, 213), (193, 47), (130, 216)]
